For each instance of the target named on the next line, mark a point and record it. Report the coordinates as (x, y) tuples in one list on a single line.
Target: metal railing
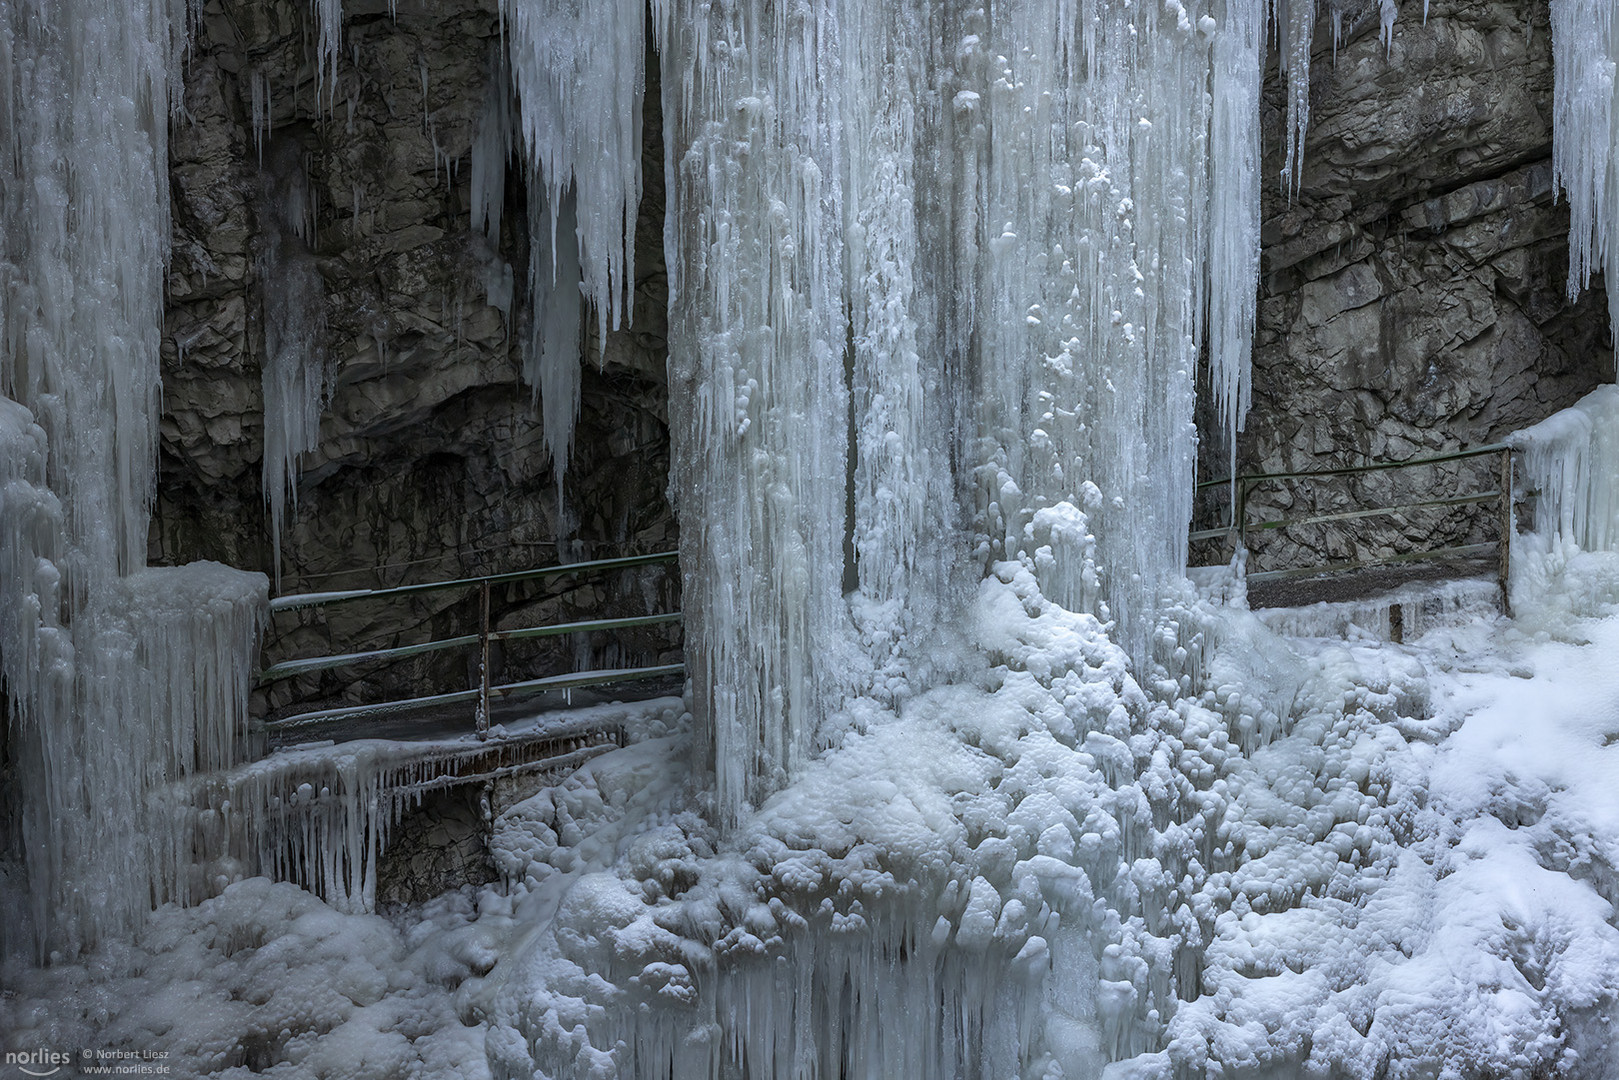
[(485, 690), (1239, 526)]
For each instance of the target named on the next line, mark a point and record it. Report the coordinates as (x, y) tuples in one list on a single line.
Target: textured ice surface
[(957, 264), (265, 980)]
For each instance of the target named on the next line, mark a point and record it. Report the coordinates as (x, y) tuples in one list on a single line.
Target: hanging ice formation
[(117, 678), (1585, 50), (579, 72), (1570, 460), (296, 374), (1239, 55)]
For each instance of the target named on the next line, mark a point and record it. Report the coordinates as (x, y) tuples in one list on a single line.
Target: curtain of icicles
[(973, 253), (118, 679)]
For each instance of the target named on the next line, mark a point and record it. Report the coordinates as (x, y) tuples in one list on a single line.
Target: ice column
[(908, 283), (579, 72), (96, 717), (1096, 238), (758, 404)]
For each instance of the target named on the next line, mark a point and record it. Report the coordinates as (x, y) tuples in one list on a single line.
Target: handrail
[(302, 600), (1240, 525), (1376, 466), (486, 634), (303, 665), (570, 681)]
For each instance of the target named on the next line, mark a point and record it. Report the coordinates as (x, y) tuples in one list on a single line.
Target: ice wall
[(116, 677)]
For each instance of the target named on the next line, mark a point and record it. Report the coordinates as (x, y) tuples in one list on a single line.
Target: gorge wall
[(1412, 292)]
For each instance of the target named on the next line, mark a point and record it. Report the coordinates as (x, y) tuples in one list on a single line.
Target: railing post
[(1242, 513), (482, 720), (1506, 532)]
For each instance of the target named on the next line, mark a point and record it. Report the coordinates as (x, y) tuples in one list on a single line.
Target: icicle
[(1296, 31), (551, 361), (296, 373), (330, 14), (261, 111), (1388, 11), (579, 75), (1238, 61), (491, 151), (1585, 51)]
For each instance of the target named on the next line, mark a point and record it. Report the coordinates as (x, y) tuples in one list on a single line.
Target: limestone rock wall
[(1412, 295), (430, 461)]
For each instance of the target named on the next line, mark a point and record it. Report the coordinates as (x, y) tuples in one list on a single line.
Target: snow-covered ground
[(1354, 858)]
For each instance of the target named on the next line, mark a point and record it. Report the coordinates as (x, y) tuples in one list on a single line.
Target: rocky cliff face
[(1412, 297), (1412, 300), (337, 216)]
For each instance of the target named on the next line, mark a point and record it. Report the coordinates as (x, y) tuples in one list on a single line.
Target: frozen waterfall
[(118, 678), (970, 778)]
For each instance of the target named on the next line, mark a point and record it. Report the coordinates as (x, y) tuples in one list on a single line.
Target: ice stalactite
[(296, 373), (578, 72), (1295, 33), (551, 360), (1239, 61), (491, 153), (103, 680), (758, 402), (1585, 51)]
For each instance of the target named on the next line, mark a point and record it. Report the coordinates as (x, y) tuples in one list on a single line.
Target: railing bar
[(581, 627), (1208, 534), (1455, 455), (321, 663), (304, 600), (551, 682), (1410, 556), (588, 678), (302, 665), (1456, 500)]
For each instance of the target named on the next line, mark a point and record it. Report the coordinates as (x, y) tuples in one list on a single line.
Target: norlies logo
[(39, 1062)]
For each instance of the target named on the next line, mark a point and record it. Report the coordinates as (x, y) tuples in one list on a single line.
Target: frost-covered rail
[(1238, 526), (486, 689)]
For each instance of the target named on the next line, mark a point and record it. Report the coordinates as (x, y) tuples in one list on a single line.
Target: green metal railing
[(482, 693), (1239, 526)]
